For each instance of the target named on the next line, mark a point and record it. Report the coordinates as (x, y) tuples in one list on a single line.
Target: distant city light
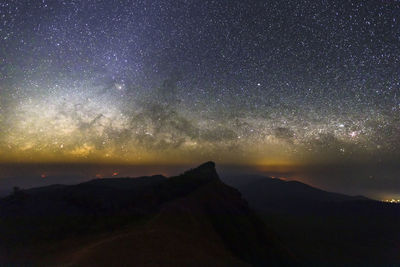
[(392, 200)]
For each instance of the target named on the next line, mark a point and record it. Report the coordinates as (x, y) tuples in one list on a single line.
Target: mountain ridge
[(263, 192), (323, 228), (195, 205)]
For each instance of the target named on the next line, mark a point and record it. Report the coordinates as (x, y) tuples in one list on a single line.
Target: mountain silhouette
[(323, 228), (268, 194), (192, 219)]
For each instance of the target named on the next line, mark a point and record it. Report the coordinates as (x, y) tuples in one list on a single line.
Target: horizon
[(328, 177)]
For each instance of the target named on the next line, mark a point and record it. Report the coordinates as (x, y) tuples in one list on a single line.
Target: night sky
[(271, 84)]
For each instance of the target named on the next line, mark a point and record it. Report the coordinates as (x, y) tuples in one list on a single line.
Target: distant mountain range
[(268, 194)]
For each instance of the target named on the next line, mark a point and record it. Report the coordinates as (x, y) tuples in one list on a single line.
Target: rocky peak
[(206, 172)]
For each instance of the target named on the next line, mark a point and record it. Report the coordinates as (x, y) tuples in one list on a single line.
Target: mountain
[(192, 219), (27, 179), (323, 228), (269, 194)]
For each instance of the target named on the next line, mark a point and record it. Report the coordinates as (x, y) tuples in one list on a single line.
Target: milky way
[(250, 82)]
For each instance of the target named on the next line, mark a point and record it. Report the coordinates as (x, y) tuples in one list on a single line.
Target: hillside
[(270, 194), (323, 228), (191, 219)]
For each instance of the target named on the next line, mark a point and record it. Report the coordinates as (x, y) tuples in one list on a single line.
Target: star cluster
[(244, 82)]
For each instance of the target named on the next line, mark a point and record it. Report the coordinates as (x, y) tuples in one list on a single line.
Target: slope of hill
[(323, 228), (269, 194), (192, 219)]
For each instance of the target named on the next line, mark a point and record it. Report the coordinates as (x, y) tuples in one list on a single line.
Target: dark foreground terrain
[(195, 219), (323, 228), (189, 220)]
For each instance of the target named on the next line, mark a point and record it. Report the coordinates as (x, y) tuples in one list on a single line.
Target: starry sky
[(255, 83)]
